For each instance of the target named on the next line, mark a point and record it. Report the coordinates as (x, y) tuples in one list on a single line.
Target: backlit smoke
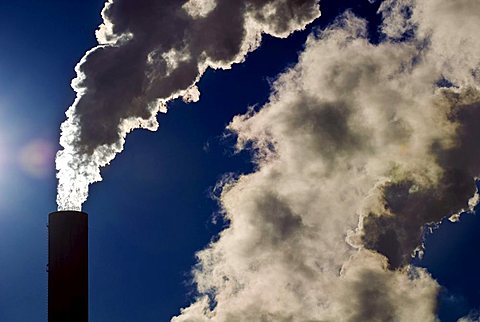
[(359, 147), (149, 53)]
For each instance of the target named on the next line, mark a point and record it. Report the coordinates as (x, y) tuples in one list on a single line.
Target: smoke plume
[(149, 53), (359, 147)]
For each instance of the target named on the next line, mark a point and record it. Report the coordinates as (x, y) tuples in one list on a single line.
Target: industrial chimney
[(68, 266)]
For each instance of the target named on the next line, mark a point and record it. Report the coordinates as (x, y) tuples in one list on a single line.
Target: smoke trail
[(149, 53), (359, 147)]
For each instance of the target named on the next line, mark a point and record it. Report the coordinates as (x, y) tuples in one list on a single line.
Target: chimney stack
[(68, 266)]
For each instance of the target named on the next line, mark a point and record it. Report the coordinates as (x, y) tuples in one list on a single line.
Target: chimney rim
[(68, 212)]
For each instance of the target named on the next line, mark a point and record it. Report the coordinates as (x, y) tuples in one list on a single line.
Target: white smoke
[(149, 53), (357, 149), (473, 316)]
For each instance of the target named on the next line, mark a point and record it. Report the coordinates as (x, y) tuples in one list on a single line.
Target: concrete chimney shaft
[(68, 266)]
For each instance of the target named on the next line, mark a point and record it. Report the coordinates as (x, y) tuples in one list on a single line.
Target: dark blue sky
[(153, 210)]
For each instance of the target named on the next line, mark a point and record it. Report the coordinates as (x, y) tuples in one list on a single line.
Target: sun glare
[(36, 158)]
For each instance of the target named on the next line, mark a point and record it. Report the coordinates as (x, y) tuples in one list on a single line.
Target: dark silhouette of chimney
[(68, 266)]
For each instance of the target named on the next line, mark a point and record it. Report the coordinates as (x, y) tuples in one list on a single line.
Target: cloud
[(473, 316), (149, 53), (413, 206), (449, 27), (359, 147)]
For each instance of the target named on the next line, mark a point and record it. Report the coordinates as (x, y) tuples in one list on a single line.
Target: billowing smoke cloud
[(473, 316), (360, 146), (151, 52)]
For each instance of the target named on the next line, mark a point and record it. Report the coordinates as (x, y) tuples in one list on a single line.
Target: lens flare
[(36, 158)]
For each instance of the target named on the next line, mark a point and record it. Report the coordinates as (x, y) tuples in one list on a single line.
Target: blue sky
[(153, 210)]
